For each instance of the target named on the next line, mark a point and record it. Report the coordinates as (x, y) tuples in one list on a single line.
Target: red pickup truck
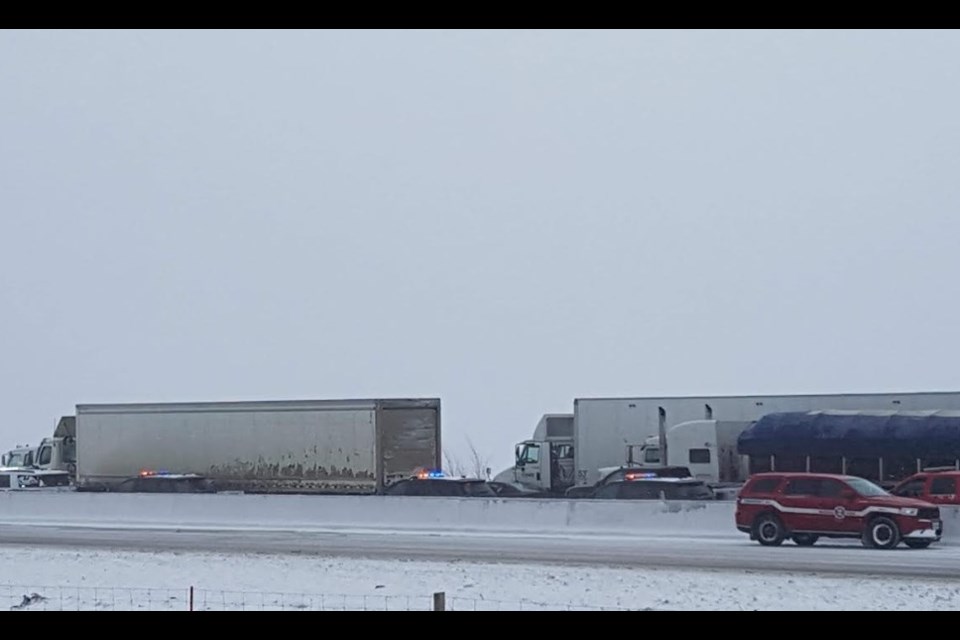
[(936, 487)]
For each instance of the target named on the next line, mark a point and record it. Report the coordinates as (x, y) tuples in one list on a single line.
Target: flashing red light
[(638, 476)]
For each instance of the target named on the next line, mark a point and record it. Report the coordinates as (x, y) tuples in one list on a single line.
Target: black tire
[(918, 544), (768, 530), (805, 539), (881, 533)]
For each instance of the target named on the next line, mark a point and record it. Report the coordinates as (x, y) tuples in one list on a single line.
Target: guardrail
[(260, 512)]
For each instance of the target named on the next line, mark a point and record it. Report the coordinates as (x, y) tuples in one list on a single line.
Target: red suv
[(937, 487), (773, 507)]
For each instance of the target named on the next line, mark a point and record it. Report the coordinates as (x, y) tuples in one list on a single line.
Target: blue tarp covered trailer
[(854, 434)]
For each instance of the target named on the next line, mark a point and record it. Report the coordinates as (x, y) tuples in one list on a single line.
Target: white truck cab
[(20, 457), (707, 447)]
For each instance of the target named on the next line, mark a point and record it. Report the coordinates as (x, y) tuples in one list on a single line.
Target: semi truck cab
[(57, 454), (544, 466), (546, 462), (707, 447), (20, 457)]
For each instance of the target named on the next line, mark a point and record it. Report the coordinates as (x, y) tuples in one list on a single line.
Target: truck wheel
[(768, 530), (917, 544), (805, 539), (881, 533)]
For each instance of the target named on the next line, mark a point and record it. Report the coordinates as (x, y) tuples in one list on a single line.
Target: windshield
[(528, 454), (865, 487), (16, 460)]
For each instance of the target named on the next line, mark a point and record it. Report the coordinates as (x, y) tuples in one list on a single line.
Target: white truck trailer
[(607, 430), (313, 446)]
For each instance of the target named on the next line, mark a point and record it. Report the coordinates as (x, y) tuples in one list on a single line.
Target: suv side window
[(150, 485), (802, 487), (830, 488), (765, 485), (943, 486), (640, 490), (398, 488), (479, 489), (913, 488), (417, 488), (447, 489), (608, 491)]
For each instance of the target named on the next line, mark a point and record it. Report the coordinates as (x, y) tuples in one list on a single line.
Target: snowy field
[(112, 580)]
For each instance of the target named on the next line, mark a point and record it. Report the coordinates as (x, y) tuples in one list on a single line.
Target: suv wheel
[(917, 544), (768, 530), (805, 539), (881, 533)]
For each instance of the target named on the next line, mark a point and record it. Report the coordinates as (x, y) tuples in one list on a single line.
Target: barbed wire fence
[(70, 598)]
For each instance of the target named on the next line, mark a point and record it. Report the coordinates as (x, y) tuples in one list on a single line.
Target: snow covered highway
[(717, 551), (687, 535)]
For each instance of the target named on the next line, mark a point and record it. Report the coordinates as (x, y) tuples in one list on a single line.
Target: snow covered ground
[(94, 579)]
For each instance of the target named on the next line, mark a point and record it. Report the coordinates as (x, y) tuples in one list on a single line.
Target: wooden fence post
[(440, 601), (191, 597)]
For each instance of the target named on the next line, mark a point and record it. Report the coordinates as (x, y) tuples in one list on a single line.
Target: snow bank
[(381, 512), (124, 580)]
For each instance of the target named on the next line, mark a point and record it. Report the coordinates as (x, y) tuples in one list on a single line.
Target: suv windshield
[(865, 487)]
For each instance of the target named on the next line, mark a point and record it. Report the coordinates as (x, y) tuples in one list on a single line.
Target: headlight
[(908, 511)]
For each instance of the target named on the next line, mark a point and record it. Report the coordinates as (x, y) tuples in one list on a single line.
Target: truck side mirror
[(848, 494)]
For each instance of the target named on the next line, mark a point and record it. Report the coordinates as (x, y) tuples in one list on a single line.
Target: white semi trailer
[(315, 446), (607, 431)]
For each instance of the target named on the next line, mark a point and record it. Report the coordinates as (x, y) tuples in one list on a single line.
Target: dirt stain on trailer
[(263, 470)]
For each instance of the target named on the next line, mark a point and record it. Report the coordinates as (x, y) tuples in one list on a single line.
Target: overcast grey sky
[(506, 220)]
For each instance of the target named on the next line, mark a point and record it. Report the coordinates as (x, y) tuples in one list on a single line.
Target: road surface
[(730, 552)]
